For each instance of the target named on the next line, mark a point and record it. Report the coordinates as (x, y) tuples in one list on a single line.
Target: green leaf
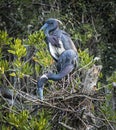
[(11, 51), (4, 66), (12, 74), (4, 39)]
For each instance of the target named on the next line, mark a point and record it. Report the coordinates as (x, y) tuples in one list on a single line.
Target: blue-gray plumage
[(62, 50), (58, 40)]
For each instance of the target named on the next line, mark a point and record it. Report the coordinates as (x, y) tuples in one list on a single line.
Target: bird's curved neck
[(61, 74)]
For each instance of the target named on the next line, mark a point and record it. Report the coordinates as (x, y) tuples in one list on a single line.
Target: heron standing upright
[(62, 49)]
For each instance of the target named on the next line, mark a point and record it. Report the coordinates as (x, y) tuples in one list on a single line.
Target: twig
[(86, 65), (10, 109), (107, 120), (97, 35), (41, 4), (67, 126), (86, 96)]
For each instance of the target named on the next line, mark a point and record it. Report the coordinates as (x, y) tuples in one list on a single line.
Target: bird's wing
[(67, 42), (66, 63)]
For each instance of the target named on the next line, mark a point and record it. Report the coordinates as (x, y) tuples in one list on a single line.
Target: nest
[(71, 106)]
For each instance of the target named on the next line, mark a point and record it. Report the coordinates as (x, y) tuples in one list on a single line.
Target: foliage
[(17, 49), (4, 39), (24, 121), (85, 58), (84, 34), (3, 66), (24, 54), (19, 68), (106, 107), (36, 40)]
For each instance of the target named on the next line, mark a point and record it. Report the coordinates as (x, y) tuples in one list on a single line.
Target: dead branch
[(66, 126), (91, 79)]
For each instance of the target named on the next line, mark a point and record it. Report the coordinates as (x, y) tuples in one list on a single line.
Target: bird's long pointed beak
[(44, 27)]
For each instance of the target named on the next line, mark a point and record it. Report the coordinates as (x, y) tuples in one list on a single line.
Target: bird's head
[(40, 85), (50, 25)]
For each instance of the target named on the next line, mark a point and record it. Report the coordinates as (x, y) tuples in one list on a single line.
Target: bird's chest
[(56, 51)]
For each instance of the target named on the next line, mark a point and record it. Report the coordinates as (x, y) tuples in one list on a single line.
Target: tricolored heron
[(62, 49)]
